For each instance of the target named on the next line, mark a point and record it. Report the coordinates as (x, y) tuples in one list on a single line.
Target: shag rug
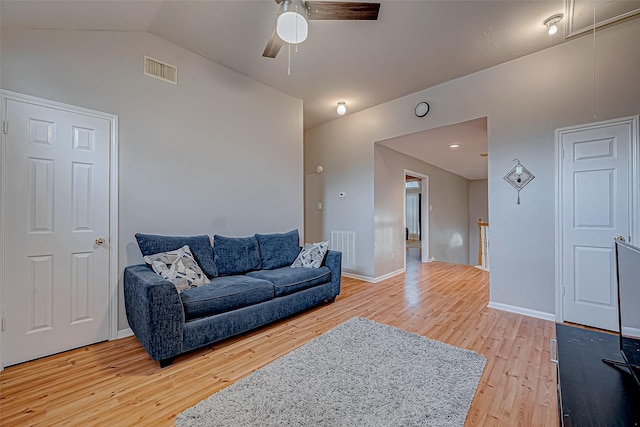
[(361, 373)]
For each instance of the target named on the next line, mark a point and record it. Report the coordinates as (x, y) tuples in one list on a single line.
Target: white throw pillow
[(179, 267), (311, 255)]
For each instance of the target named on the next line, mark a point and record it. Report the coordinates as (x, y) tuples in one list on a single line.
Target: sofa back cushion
[(236, 255), (151, 244), (278, 249)]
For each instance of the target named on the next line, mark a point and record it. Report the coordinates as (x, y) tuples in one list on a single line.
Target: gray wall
[(525, 100), (478, 208), (448, 220), (202, 157)]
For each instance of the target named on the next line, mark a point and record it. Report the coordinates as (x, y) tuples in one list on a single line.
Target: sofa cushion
[(151, 244), (179, 267), (225, 294), (278, 249), (311, 255), (288, 280), (236, 255)]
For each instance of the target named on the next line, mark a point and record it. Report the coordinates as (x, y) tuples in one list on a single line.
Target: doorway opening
[(416, 217)]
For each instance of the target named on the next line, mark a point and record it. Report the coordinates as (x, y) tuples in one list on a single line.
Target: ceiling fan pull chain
[(595, 114)]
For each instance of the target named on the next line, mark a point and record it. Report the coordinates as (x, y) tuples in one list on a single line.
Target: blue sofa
[(252, 284)]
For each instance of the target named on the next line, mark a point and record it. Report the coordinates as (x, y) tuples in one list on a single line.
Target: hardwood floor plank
[(116, 383)]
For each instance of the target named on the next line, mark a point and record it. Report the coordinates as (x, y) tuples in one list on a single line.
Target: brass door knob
[(99, 241)]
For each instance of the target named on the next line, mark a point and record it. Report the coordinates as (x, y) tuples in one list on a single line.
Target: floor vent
[(160, 70), (345, 242)]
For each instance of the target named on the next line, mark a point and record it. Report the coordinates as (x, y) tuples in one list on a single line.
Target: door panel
[(57, 205), (596, 204)]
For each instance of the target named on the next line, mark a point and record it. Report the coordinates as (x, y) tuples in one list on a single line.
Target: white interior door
[(597, 205), (57, 212)]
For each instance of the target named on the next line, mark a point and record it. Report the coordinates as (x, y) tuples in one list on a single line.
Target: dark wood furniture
[(590, 392)]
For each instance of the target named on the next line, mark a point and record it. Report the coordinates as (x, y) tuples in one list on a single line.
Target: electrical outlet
[(319, 205), (393, 255)]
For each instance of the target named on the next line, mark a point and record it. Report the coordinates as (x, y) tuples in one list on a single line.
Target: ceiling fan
[(292, 27)]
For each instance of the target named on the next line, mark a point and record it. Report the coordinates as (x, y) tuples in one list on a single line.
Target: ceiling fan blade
[(337, 10), (273, 45)]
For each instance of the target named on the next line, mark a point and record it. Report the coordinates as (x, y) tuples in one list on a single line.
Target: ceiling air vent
[(160, 70)]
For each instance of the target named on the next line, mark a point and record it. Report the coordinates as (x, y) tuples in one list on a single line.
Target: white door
[(597, 204), (57, 210)]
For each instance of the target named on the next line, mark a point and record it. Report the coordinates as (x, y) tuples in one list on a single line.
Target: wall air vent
[(345, 242), (160, 70)]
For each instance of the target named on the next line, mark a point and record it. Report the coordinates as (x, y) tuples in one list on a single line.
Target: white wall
[(348, 167), (525, 100), (478, 208), (448, 220), (1, 248), (211, 155)]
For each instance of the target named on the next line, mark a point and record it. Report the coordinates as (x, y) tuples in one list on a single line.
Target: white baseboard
[(479, 267), (373, 279), (524, 311), (631, 332), (124, 333)]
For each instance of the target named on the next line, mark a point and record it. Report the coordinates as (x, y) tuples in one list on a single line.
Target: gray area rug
[(361, 373)]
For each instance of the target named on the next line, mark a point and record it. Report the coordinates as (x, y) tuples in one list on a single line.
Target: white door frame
[(634, 213), (424, 220), (113, 203)]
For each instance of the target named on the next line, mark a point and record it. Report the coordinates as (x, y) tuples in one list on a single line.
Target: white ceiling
[(412, 46), (432, 146)]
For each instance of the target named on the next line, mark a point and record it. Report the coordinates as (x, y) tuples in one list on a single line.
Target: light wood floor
[(117, 384)]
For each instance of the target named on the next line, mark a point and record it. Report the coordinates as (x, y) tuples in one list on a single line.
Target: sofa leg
[(330, 300), (166, 362)]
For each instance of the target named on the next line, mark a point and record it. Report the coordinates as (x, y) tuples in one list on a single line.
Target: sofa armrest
[(333, 260), (154, 311)]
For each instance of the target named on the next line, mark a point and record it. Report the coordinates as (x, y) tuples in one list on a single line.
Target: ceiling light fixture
[(342, 108), (454, 146), (552, 23), (291, 25)]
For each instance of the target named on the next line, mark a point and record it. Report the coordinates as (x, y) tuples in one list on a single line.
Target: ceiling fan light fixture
[(292, 26), (552, 23), (342, 108)]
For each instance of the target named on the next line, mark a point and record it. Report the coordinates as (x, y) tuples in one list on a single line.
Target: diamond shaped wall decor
[(518, 177)]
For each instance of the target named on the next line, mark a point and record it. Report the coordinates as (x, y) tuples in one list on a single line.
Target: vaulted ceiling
[(412, 46)]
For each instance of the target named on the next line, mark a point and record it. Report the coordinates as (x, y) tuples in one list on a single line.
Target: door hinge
[(5, 127), (4, 325), (563, 290), (562, 154)]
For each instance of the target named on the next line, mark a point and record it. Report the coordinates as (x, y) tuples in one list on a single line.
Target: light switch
[(319, 205)]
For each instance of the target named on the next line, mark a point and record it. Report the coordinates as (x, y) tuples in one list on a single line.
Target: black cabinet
[(590, 392)]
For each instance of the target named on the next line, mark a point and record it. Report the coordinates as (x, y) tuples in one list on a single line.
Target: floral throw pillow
[(311, 255), (179, 267)]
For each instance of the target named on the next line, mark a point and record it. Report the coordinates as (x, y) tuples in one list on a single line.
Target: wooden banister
[(481, 251)]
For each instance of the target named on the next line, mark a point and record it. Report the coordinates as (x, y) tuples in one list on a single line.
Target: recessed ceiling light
[(454, 146)]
